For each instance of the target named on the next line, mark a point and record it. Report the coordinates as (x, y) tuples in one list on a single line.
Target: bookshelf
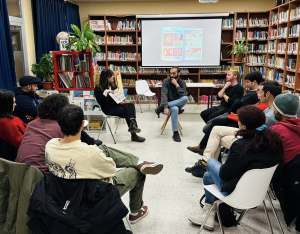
[(73, 70), (259, 29)]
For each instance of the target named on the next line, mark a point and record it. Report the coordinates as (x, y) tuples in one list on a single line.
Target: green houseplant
[(83, 41), (45, 69), (239, 49)]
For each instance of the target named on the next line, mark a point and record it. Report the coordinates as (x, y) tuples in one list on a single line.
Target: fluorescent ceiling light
[(208, 1), (183, 15)]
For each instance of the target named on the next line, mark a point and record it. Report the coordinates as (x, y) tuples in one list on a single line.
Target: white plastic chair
[(106, 122), (142, 89), (250, 192)]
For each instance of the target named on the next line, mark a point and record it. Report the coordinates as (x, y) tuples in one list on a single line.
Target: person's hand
[(29, 117), (227, 84), (226, 97), (174, 82), (166, 112), (111, 91), (121, 102)]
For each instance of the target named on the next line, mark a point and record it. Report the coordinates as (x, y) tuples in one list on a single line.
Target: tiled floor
[(174, 194)]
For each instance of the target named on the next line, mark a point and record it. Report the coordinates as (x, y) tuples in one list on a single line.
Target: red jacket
[(12, 130), (289, 131)]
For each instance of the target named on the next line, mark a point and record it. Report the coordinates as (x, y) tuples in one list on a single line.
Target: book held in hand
[(117, 96)]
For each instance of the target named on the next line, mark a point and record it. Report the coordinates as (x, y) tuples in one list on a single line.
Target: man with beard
[(173, 99), (26, 99)]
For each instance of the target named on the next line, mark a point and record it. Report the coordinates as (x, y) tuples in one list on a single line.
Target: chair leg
[(150, 101), (241, 216), (270, 200), (179, 125), (219, 216), (272, 193), (179, 128), (117, 125), (268, 216), (139, 97), (164, 125), (206, 218), (111, 132)]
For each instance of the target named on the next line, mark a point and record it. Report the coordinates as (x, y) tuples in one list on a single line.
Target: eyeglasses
[(173, 73)]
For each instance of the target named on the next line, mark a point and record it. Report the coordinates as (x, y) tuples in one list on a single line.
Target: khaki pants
[(128, 179), (219, 136)]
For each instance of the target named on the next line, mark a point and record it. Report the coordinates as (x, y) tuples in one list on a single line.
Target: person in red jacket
[(11, 128)]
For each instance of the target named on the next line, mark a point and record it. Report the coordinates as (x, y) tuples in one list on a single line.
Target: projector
[(208, 1)]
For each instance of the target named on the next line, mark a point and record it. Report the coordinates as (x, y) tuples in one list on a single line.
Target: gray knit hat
[(287, 104)]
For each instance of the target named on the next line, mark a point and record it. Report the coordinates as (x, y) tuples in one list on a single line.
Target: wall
[(13, 9), (167, 7)]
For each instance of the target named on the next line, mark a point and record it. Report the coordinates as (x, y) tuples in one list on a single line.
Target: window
[(14, 8)]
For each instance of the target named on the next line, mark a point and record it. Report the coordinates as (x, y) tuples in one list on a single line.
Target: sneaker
[(159, 110), (200, 165), (199, 173), (210, 222), (176, 137), (142, 213), (97, 142), (150, 168), (135, 137), (133, 128), (196, 149)]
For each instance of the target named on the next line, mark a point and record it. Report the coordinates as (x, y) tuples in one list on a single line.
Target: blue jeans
[(212, 177), (174, 107)]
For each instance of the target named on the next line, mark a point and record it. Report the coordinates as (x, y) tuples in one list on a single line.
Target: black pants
[(86, 138), (213, 112), (217, 122), (126, 111)]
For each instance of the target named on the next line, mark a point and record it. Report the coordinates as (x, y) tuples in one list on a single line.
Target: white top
[(193, 85)]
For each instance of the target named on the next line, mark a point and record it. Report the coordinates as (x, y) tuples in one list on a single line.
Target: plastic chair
[(250, 192), (105, 121), (142, 89)]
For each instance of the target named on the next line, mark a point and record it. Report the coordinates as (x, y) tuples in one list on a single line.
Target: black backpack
[(226, 212)]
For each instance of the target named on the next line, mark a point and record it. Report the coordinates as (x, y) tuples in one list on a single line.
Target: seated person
[(225, 136), (26, 98), (173, 99), (11, 128), (259, 147), (70, 158), (231, 91), (252, 80), (107, 85)]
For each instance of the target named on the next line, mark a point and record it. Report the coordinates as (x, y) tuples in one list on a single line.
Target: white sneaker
[(210, 223)]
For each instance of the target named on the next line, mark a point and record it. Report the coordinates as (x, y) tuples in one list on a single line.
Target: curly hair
[(254, 76), (50, 106)]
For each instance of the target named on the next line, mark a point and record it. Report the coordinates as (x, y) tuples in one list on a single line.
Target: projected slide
[(180, 44)]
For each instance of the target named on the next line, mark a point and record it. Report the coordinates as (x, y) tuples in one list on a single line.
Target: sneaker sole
[(196, 152), (135, 221), (151, 169), (199, 224)]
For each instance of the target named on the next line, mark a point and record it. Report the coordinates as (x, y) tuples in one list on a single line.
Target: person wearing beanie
[(287, 189), (26, 98)]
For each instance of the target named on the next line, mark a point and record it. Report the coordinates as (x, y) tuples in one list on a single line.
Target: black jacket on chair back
[(63, 206)]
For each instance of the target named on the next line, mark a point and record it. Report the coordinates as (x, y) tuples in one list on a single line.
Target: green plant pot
[(48, 85)]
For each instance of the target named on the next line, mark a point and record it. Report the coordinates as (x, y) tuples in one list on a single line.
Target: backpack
[(226, 212)]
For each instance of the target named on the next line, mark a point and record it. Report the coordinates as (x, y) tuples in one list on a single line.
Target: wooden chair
[(166, 121)]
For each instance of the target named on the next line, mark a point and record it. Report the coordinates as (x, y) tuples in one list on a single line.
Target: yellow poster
[(118, 80)]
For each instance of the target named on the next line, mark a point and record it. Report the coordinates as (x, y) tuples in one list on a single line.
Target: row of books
[(65, 79), (219, 82), (282, 32), (290, 81), (227, 23), (119, 40), (139, 40), (184, 71), (280, 2), (191, 99), (101, 56), (273, 33), (82, 80), (294, 30), (130, 98), (262, 70), (281, 47), (188, 80), (257, 48), (100, 41), (126, 25), (111, 55), (122, 69), (283, 16), (279, 77), (292, 48), (295, 13), (205, 98), (128, 82), (270, 74), (239, 35), (258, 35), (82, 65), (147, 99), (241, 22), (253, 59), (272, 47), (222, 69), (274, 19), (291, 64), (258, 22), (271, 61), (279, 63), (64, 62), (154, 82), (97, 25), (152, 70), (87, 103)]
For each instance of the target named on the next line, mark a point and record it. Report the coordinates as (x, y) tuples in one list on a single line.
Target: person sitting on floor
[(231, 91), (103, 88), (258, 147), (27, 99), (70, 158), (252, 80), (225, 136), (11, 128), (173, 99)]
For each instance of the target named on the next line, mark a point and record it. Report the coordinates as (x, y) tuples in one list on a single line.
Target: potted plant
[(239, 49), (83, 41), (45, 69)]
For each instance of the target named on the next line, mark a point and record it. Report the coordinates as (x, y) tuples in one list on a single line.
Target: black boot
[(176, 137), (135, 137), (133, 128)]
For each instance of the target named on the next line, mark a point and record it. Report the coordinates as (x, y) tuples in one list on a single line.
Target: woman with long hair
[(107, 85), (257, 147), (11, 128)]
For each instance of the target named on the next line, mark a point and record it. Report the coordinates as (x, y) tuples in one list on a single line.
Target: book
[(88, 104), (117, 96)]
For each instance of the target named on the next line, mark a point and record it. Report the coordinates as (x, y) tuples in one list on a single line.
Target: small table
[(189, 85)]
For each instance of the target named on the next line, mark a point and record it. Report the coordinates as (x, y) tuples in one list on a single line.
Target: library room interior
[(149, 116)]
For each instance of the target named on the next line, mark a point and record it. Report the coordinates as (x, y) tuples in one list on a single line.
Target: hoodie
[(27, 104), (289, 131)]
